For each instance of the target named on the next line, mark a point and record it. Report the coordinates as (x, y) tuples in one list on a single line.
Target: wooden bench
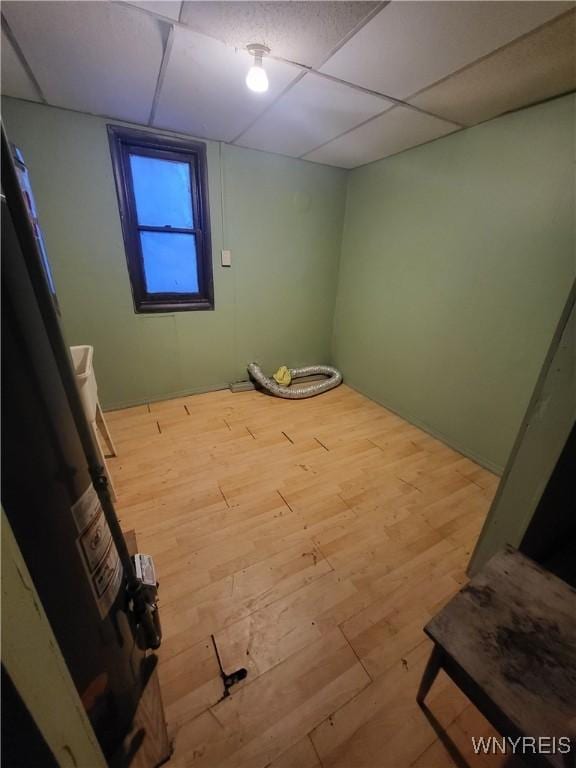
[(508, 640)]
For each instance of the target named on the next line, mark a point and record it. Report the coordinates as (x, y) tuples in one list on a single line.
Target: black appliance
[(54, 492)]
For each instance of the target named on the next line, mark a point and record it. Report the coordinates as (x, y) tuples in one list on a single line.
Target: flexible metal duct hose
[(298, 393)]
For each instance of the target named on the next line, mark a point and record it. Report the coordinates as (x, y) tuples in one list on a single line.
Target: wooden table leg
[(432, 668)]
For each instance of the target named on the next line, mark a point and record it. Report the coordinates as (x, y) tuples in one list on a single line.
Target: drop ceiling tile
[(409, 45), (537, 67), (94, 57), (204, 91), (305, 32), (314, 111), (398, 129), (15, 79), (168, 8)]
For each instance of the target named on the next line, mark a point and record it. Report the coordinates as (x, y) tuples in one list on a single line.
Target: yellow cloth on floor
[(283, 376)]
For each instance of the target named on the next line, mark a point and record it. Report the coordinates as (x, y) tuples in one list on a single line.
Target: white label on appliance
[(86, 508), (95, 541), (97, 549), (107, 580)]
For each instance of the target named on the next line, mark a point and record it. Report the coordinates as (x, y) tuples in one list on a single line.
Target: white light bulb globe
[(257, 79)]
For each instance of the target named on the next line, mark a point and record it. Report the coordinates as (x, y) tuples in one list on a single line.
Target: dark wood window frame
[(125, 141)]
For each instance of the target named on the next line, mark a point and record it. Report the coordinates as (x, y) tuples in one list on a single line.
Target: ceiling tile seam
[(148, 11), (290, 85), (392, 100), (384, 96), (369, 120), (22, 59), (489, 55), (161, 73), (269, 151), (399, 102), (407, 149), (347, 38), (181, 25), (157, 129), (436, 138), (306, 69), (404, 102), (172, 132), (353, 32), (303, 67), (349, 130)]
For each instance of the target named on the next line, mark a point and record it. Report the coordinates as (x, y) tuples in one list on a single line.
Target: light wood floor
[(314, 539)]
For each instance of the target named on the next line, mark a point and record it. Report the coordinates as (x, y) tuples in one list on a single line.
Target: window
[(162, 194)]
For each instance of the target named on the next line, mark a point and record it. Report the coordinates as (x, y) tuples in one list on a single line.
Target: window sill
[(145, 308)]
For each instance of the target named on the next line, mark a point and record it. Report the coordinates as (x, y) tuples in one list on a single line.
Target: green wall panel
[(275, 304), (290, 290), (449, 268), (457, 259)]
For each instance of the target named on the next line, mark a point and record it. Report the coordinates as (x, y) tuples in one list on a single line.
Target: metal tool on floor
[(228, 680)]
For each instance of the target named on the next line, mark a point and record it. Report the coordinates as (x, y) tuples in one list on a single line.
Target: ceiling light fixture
[(257, 79)]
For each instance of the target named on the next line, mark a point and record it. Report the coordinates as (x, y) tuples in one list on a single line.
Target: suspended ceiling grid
[(350, 82)]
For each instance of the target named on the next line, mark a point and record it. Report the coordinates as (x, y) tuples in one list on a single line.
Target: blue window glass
[(162, 192), (170, 264)]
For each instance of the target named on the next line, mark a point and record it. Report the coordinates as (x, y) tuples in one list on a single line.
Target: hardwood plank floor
[(314, 539)]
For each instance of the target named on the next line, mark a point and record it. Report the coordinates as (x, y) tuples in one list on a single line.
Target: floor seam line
[(319, 548), (309, 736), (354, 652), (224, 497), (285, 502)]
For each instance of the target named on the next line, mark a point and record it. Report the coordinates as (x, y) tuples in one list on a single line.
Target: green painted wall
[(457, 259), (282, 221)]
